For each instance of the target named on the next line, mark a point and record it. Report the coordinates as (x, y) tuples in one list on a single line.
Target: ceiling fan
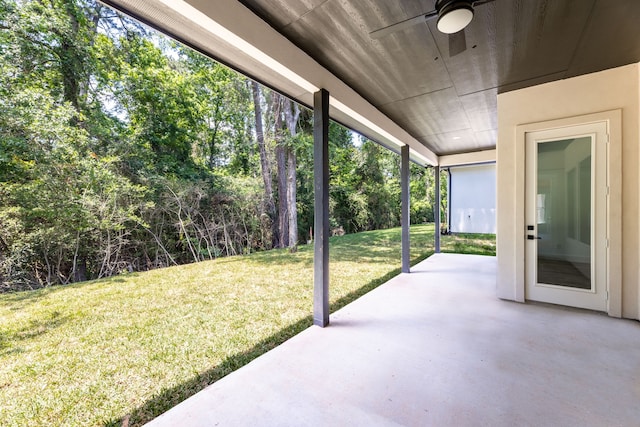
[(453, 16)]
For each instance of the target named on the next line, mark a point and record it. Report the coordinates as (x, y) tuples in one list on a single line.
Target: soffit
[(448, 103)]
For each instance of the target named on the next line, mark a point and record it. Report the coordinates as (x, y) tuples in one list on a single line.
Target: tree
[(223, 105), (292, 114), (420, 205), (160, 106), (121, 150), (48, 178), (277, 111), (265, 164)]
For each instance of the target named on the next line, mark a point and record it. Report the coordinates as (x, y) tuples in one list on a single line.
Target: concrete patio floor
[(436, 347)]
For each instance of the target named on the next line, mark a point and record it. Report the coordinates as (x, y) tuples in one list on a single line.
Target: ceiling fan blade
[(403, 24), (481, 2), (457, 43)]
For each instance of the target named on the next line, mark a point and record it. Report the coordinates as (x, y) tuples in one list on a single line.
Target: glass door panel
[(564, 212)]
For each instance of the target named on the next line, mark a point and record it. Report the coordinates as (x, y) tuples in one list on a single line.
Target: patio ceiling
[(405, 87), (448, 102)]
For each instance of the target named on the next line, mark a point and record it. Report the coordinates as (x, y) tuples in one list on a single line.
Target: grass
[(466, 243), (131, 347)]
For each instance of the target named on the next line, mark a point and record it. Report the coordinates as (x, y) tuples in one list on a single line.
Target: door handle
[(531, 237)]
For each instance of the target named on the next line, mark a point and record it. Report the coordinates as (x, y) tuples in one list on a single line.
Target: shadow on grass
[(9, 340), (377, 245), (170, 397), (23, 298)]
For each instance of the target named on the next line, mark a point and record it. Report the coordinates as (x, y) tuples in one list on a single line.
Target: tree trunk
[(292, 112), (270, 207), (281, 165), (73, 50), (213, 138), (70, 60)]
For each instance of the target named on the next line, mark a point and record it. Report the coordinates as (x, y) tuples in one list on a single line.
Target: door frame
[(596, 297), (613, 120)]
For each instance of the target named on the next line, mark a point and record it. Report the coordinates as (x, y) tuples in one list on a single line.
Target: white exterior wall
[(472, 199), (609, 90)]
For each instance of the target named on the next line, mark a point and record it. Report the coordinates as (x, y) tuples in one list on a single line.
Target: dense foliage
[(121, 150)]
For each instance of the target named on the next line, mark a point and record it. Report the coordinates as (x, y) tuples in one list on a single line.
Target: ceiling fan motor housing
[(454, 15)]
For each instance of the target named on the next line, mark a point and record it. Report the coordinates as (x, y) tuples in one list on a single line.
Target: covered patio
[(435, 347), (546, 71), (442, 345)]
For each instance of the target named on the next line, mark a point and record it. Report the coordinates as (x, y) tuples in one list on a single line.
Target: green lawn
[(133, 346), (466, 243)]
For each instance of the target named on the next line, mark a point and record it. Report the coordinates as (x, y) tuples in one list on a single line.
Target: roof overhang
[(466, 159), (230, 33)]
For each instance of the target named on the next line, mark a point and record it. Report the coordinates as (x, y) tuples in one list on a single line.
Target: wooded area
[(122, 150)]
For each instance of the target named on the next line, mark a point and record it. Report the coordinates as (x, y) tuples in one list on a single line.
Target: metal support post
[(436, 170), (405, 214), (321, 208)]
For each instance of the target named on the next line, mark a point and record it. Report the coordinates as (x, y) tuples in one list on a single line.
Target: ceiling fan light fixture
[(453, 15)]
